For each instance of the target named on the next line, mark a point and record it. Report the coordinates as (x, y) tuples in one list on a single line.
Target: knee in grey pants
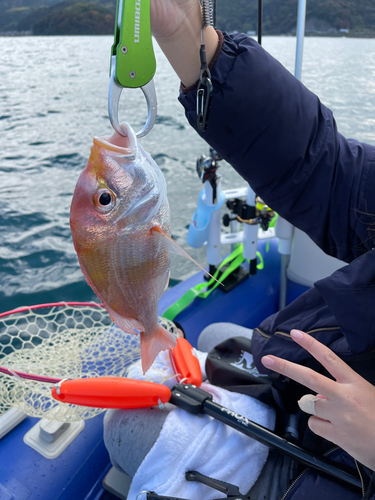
[(130, 434), (216, 333)]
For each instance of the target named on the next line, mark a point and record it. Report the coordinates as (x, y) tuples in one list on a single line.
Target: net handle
[(52, 304), (29, 376)]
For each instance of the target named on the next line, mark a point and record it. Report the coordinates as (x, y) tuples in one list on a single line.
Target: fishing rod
[(300, 33), (284, 229), (116, 392), (260, 19)]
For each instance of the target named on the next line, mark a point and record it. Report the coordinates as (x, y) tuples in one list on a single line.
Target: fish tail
[(151, 345)]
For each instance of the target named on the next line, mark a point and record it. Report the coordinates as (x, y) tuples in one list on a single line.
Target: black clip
[(230, 490), (204, 92), (151, 495)]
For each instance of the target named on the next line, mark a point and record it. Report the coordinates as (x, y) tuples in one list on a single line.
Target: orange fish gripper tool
[(185, 363), (111, 392), (117, 392)]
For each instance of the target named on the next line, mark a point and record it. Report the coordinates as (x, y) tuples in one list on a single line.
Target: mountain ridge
[(96, 17)]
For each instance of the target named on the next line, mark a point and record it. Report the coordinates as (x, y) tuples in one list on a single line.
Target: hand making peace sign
[(345, 410)]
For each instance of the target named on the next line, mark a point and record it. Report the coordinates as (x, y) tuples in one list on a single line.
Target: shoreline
[(307, 35), (14, 34)]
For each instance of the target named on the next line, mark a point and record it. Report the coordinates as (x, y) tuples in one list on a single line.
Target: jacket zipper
[(305, 470), (361, 478), (329, 328), (293, 484)]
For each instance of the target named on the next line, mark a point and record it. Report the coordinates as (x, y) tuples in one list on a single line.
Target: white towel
[(201, 443)]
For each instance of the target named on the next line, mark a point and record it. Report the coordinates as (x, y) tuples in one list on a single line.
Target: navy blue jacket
[(284, 142)]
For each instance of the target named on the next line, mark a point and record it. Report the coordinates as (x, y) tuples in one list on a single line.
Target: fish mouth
[(124, 146)]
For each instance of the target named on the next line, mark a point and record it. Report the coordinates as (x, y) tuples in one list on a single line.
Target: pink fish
[(121, 232)]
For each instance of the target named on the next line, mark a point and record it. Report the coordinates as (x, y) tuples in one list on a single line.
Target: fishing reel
[(207, 166), (206, 170), (246, 214)]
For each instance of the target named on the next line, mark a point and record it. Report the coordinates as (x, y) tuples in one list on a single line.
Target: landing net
[(64, 340)]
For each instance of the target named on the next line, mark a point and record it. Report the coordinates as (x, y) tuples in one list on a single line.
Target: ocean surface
[(53, 101)]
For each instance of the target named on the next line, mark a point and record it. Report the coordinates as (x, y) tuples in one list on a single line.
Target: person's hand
[(169, 17), (345, 414), (176, 26)]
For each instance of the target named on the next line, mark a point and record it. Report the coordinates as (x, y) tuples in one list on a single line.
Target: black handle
[(151, 495), (195, 400)]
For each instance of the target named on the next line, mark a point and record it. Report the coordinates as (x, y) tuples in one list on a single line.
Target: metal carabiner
[(114, 98), (133, 62)]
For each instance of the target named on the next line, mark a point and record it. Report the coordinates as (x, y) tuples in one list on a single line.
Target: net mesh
[(62, 341)]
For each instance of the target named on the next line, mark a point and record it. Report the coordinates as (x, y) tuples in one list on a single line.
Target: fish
[(120, 224)]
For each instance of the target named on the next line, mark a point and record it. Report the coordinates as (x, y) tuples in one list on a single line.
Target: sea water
[(53, 101)]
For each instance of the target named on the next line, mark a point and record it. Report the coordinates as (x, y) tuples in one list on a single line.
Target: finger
[(322, 428), (336, 366), (316, 405), (302, 375)]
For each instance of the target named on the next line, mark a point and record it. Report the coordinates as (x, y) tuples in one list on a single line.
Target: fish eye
[(104, 200)]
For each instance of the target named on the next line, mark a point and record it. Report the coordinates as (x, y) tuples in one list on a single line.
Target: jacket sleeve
[(284, 142), (370, 487)]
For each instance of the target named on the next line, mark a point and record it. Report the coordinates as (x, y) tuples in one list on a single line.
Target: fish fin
[(167, 283), (126, 324), (174, 247), (151, 345)]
